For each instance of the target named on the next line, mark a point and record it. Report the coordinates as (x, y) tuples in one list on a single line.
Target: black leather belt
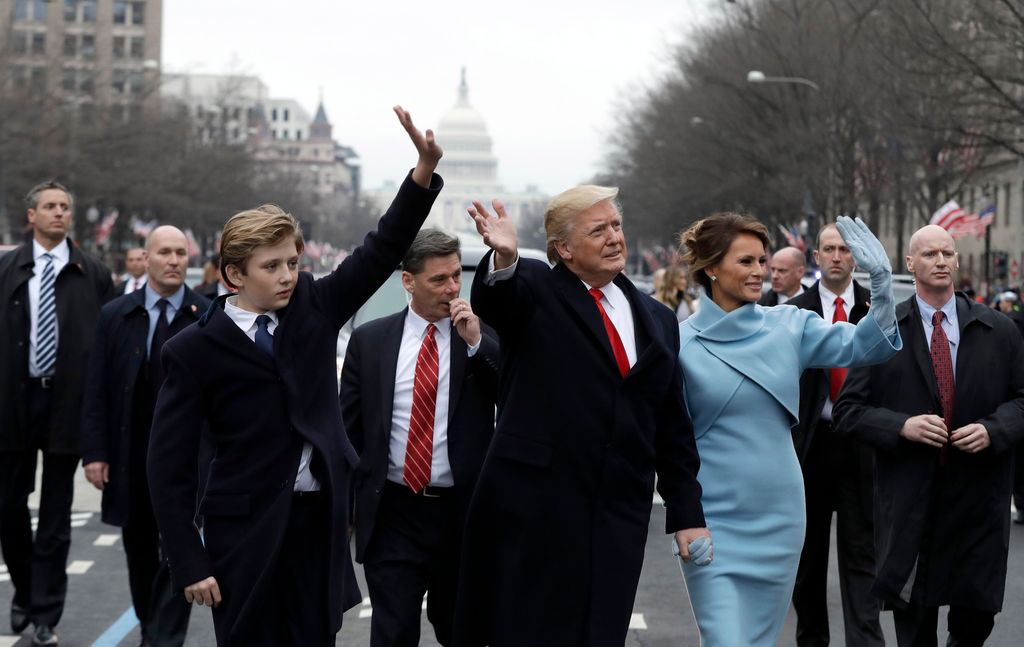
[(45, 382), (429, 492)]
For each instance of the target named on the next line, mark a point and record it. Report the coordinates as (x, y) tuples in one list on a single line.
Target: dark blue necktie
[(264, 340)]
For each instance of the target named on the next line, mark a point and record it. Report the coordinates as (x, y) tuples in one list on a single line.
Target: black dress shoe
[(19, 618), (44, 636)]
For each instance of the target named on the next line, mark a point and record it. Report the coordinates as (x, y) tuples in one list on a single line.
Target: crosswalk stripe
[(79, 567), (106, 540)]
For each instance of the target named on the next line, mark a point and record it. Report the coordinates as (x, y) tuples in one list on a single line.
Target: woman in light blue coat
[(741, 366)]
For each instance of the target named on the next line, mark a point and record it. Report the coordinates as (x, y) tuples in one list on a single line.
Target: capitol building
[(470, 172)]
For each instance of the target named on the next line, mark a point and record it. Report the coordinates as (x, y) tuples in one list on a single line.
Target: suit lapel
[(644, 328), (575, 294), (913, 333), (457, 371), (388, 365), (224, 332)]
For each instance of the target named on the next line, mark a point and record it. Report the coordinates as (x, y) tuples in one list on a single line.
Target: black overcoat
[(119, 353), (557, 527), (259, 411), (367, 402), (81, 288), (969, 524)]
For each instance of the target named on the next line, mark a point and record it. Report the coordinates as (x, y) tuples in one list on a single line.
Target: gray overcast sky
[(545, 74)]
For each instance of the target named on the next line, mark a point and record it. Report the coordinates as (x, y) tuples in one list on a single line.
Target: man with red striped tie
[(837, 472), (417, 393)]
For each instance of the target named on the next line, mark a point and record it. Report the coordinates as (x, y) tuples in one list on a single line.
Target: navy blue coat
[(367, 402), (557, 527), (260, 410), (119, 353)]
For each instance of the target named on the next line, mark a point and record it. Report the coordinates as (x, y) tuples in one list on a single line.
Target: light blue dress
[(742, 371)]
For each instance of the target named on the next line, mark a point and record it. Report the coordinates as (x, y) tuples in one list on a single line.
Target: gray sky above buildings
[(547, 75)]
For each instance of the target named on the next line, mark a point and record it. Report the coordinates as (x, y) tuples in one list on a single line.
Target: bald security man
[(942, 416), (787, 267), (125, 376)]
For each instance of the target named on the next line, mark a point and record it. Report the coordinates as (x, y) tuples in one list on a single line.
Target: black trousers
[(836, 480), (916, 626), (414, 551), (1018, 478), (163, 612), (37, 565)]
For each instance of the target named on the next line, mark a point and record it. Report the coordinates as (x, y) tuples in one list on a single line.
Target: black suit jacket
[(769, 298), (260, 410), (119, 355), (556, 531), (367, 399), (82, 287), (814, 384), (962, 506)]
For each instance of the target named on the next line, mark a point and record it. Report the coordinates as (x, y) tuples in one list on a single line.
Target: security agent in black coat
[(942, 479), (838, 477), (124, 377), (409, 542), (276, 559), (42, 412)]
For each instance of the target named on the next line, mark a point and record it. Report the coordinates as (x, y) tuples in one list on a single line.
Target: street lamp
[(757, 76)]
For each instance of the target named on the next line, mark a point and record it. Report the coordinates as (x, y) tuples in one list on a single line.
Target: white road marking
[(79, 567), (636, 621), (106, 540)]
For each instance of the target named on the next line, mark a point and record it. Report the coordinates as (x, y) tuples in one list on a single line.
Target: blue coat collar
[(714, 324)]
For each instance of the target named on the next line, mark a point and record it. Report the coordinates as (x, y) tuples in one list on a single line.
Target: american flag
[(193, 244), (946, 215), (793, 237), (975, 223), (103, 228)]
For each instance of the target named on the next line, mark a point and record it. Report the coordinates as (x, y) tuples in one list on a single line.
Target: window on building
[(235, 134), (1007, 204), (273, 114), (138, 13), (39, 44), (20, 45), (118, 80), (88, 10), (30, 10), (298, 134), (120, 12), (118, 46), (69, 79), (284, 134), (86, 81), (286, 115), (136, 81), (38, 79), (70, 45), (87, 47), (70, 10), (137, 48)]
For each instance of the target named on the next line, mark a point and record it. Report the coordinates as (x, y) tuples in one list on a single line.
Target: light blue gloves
[(701, 551), (871, 257)]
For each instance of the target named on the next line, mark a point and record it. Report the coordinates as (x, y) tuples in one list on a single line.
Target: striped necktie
[(419, 448), (46, 322)]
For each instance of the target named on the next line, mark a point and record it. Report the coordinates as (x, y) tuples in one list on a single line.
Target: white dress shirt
[(828, 312), (783, 298), (413, 333), (61, 255), (304, 479), (615, 303), (132, 284)]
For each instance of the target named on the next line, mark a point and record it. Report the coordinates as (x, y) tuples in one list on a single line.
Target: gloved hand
[(701, 551), (869, 254)]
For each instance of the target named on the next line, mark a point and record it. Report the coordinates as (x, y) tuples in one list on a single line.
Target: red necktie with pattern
[(419, 449), (942, 365), (837, 375), (613, 335)]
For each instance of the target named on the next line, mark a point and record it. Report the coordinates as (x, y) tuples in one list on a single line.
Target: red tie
[(837, 375), (613, 335), (942, 365), (419, 449)]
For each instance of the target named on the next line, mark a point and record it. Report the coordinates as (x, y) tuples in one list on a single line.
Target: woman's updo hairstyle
[(706, 241)]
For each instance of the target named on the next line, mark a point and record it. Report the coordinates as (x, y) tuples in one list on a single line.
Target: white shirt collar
[(613, 294), (417, 325), (847, 294), (243, 318), (949, 308), (175, 299), (60, 253)]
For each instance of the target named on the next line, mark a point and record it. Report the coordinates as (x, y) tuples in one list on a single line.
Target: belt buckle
[(46, 382), (426, 493)]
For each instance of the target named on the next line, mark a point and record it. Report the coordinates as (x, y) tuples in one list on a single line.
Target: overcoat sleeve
[(95, 442), (1005, 425), (855, 412), (173, 470)]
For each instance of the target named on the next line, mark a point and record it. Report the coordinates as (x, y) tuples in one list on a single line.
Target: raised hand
[(867, 250), (429, 150), (498, 232)]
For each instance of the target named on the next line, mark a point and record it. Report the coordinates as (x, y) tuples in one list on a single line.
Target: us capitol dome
[(470, 172)]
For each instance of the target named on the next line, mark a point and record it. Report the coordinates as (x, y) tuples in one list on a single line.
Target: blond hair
[(266, 225), (564, 207)]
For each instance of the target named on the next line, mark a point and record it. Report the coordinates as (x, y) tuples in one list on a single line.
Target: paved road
[(98, 596)]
